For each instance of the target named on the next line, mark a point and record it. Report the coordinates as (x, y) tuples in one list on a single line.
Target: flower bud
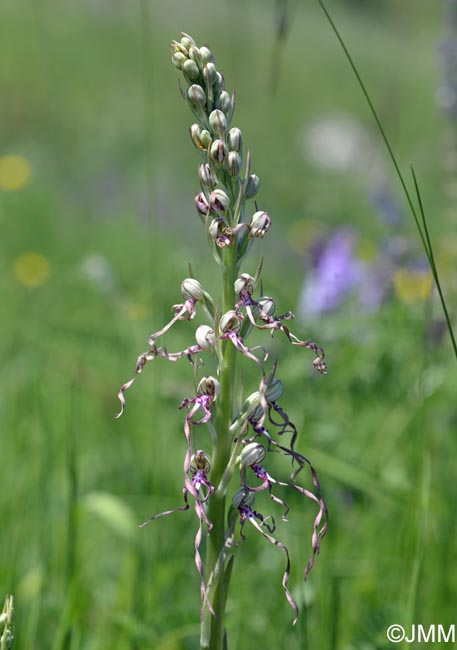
[(191, 70), (265, 307), (205, 337), (191, 289), (251, 404), (216, 227), (218, 123), (274, 391), (200, 462), (243, 497), (187, 41), (206, 176), (178, 59), (252, 186), (209, 386), (234, 139), (219, 201), (219, 82), (201, 204), (206, 55), (179, 47), (260, 224), (196, 95), (210, 73), (252, 454), (233, 163), (218, 151), (224, 102), (194, 54), (195, 134), (230, 322), (244, 284)]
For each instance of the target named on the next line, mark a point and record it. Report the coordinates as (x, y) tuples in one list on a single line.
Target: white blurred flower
[(99, 272), (336, 143)]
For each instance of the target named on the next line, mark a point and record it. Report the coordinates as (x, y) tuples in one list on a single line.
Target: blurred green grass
[(90, 99)]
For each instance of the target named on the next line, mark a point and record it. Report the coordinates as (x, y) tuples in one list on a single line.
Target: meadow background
[(97, 227)]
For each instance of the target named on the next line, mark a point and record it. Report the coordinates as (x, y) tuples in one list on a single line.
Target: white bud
[(266, 306), (234, 139), (230, 322), (206, 55), (218, 123), (218, 151), (260, 224), (191, 69), (191, 289), (245, 283), (252, 454), (205, 337)]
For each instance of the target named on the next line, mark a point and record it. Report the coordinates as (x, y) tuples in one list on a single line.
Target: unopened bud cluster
[(224, 188)]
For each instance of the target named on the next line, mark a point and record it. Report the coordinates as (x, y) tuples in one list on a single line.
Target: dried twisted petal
[(254, 517), (150, 355)]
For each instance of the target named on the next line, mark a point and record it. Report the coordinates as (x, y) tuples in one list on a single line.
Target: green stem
[(212, 632)]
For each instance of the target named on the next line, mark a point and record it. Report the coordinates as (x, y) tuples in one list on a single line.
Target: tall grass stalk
[(421, 224)]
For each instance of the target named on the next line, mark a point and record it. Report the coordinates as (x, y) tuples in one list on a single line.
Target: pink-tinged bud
[(196, 95), (201, 204), (235, 139), (206, 176), (220, 231), (219, 201), (218, 152), (260, 224), (233, 163), (218, 123)]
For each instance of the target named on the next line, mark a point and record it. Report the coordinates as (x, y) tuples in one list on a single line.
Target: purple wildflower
[(335, 274)]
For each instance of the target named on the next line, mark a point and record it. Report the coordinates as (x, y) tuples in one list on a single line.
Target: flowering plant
[(222, 484)]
